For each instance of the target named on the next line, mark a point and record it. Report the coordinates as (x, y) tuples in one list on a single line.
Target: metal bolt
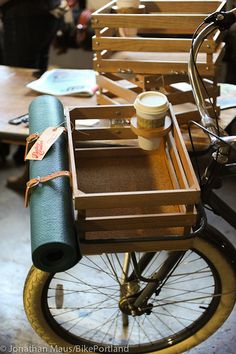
[(97, 43), (125, 71), (220, 17)]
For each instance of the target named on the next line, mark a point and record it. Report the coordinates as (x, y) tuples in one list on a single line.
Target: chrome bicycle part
[(216, 21)]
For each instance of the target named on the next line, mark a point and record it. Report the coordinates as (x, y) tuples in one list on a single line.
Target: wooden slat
[(185, 158), (187, 228), (171, 169), (172, 57), (165, 23), (141, 246), (130, 222), (105, 100), (156, 21), (177, 164), (173, 176), (112, 151), (184, 6), (71, 153), (132, 199), (116, 88), (104, 134), (102, 112), (149, 67), (149, 44)]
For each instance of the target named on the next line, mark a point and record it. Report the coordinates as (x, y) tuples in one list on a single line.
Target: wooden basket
[(127, 198), (165, 31)]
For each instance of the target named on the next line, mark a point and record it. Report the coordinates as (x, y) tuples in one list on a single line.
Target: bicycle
[(147, 302)]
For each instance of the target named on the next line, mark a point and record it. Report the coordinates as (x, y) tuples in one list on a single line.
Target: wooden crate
[(115, 90), (163, 41), (127, 198)]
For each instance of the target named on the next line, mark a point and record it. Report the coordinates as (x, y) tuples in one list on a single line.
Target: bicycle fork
[(135, 302)]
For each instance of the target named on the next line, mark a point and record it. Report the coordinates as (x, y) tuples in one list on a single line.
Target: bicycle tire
[(209, 246)]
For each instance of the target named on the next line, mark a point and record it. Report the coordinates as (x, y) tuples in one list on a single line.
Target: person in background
[(29, 27)]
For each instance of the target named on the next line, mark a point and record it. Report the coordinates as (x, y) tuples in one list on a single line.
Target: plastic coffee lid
[(151, 102), (127, 3)]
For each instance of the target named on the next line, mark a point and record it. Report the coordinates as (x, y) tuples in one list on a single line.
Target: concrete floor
[(15, 261)]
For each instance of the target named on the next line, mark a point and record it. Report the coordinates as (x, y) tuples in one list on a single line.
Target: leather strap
[(33, 182), (29, 140)]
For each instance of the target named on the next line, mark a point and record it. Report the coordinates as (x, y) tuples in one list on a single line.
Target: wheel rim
[(90, 314)]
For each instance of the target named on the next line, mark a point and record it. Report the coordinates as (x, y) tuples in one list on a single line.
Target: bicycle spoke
[(116, 324), (198, 291), (170, 315), (96, 267), (156, 328), (177, 319), (113, 269), (110, 326), (100, 326), (187, 275), (154, 260), (143, 330)]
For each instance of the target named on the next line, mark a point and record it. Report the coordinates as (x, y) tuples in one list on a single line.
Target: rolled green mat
[(53, 236)]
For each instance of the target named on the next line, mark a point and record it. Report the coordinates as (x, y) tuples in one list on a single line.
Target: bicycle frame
[(219, 163)]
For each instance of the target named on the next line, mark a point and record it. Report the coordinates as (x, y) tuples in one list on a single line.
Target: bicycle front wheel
[(81, 309)]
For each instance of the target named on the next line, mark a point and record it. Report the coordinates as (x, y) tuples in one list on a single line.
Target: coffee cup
[(151, 109), (125, 7)]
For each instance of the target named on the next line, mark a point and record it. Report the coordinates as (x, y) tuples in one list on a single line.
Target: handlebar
[(222, 21)]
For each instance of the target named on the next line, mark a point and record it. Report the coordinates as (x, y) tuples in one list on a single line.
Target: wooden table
[(15, 98)]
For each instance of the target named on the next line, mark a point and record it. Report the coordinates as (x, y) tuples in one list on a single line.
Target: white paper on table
[(66, 82)]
